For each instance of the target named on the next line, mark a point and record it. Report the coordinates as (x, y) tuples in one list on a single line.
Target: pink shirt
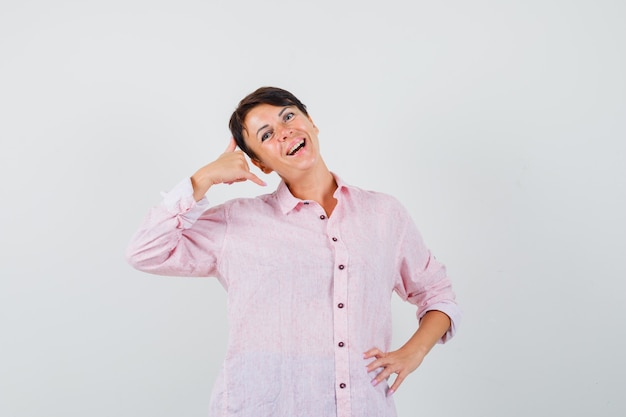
[(307, 293)]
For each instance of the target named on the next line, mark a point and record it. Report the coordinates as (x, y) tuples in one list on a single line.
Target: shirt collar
[(288, 202)]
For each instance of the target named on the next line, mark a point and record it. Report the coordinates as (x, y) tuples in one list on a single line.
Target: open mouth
[(296, 147)]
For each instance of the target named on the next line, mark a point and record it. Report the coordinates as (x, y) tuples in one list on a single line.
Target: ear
[(317, 131), (262, 167)]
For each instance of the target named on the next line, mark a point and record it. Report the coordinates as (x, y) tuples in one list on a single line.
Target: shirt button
[(340, 305), (322, 217), (334, 239), (342, 385), (306, 203), (341, 344), (341, 267)]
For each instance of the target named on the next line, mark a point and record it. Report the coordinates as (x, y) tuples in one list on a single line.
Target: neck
[(318, 186)]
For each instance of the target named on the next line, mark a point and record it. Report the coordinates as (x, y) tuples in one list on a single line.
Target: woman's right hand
[(230, 167)]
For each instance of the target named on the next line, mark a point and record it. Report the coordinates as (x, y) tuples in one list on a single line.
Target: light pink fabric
[(307, 294)]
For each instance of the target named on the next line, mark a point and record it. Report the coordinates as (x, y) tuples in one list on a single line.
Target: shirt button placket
[(340, 323)]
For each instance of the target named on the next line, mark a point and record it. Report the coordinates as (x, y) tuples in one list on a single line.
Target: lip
[(294, 143)]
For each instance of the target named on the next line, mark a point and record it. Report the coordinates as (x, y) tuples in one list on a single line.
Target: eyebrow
[(279, 114), (261, 128)]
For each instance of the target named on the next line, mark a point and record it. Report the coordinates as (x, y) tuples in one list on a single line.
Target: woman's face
[(283, 138)]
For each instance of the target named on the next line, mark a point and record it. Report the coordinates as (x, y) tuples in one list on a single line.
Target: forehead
[(261, 114)]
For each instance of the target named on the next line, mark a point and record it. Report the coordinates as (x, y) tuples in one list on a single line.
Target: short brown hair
[(265, 95)]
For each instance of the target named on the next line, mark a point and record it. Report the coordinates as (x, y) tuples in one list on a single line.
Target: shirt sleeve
[(180, 236), (423, 280)]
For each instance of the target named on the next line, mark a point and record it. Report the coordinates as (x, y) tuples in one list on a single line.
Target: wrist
[(416, 350), (200, 186)]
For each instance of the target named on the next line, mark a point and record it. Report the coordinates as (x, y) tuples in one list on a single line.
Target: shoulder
[(243, 211), (377, 200), (251, 204)]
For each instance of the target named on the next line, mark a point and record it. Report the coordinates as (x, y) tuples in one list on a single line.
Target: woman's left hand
[(433, 325), (401, 362)]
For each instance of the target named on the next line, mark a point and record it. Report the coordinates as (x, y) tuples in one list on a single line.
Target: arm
[(422, 281), (182, 237), (177, 237)]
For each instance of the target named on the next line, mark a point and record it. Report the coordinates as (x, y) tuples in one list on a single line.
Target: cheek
[(269, 150)]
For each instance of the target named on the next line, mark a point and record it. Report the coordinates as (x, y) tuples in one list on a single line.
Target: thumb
[(231, 145)]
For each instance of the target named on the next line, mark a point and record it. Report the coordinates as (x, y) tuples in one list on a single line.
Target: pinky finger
[(395, 386), (256, 179)]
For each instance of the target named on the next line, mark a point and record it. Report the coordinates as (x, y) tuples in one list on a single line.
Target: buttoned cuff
[(180, 202)]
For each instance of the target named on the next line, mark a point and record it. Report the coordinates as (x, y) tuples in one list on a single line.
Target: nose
[(285, 134)]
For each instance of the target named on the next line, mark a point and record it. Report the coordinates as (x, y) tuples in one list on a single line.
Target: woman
[(309, 270)]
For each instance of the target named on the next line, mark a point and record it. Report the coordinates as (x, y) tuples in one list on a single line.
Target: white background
[(499, 124)]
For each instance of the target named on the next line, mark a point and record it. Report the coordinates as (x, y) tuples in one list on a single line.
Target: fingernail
[(390, 392), (374, 382)]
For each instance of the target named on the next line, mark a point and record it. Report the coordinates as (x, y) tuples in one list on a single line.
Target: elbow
[(136, 258), (132, 257), (145, 259)]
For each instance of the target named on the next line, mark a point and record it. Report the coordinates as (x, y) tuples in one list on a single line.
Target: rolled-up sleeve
[(423, 280), (180, 236)]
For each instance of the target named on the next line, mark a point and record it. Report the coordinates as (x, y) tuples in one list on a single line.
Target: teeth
[(295, 147)]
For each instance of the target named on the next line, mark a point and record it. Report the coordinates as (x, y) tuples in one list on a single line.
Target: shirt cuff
[(452, 310), (179, 201)]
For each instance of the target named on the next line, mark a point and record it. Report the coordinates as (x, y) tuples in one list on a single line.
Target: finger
[(396, 384), (383, 375), (373, 352), (232, 145), (240, 179), (255, 179), (378, 363)]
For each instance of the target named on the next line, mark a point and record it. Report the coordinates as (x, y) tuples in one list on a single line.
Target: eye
[(266, 136), (289, 116)]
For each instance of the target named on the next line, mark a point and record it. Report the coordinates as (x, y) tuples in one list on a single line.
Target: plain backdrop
[(499, 124)]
